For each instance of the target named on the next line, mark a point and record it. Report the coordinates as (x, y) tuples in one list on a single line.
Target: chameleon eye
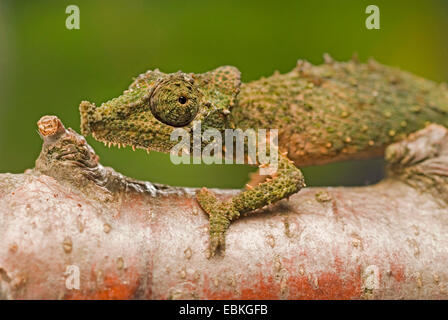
[(175, 102), (182, 100)]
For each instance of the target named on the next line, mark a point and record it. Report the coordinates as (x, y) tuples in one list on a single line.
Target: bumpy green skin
[(339, 111), (324, 113), (287, 181)]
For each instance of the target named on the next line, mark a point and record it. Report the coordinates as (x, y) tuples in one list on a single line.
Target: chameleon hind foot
[(420, 146), (421, 161), (221, 214), (283, 183)]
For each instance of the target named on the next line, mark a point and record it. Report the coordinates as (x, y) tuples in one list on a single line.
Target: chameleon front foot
[(221, 214)]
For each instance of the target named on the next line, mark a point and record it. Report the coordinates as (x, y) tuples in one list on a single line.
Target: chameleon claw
[(217, 244), (219, 223), (220, 214)]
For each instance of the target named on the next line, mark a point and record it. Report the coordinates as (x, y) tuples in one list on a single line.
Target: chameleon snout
[(86, 110)]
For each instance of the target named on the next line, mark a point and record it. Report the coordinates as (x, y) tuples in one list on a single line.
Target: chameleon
[(324, 113)]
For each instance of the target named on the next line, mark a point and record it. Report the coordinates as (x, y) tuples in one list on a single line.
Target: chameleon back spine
[(340, 110)]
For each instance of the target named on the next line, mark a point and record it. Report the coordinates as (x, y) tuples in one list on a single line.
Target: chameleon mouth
[(118, 139), (92, 124), (86, 109), (112, 130)]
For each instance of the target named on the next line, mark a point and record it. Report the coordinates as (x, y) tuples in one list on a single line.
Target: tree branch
[(134, 239)]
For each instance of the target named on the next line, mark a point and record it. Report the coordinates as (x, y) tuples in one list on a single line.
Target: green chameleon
[(331, 112)]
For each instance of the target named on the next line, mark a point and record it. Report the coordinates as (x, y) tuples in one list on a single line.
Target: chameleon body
[(332, 112)]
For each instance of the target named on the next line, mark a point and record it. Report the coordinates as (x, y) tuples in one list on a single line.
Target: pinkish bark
[(135, 240)]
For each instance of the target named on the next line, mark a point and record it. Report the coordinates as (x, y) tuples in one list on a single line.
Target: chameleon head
[(155, 104)]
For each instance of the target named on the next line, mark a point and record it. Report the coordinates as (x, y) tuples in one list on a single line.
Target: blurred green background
[(48, 69)]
